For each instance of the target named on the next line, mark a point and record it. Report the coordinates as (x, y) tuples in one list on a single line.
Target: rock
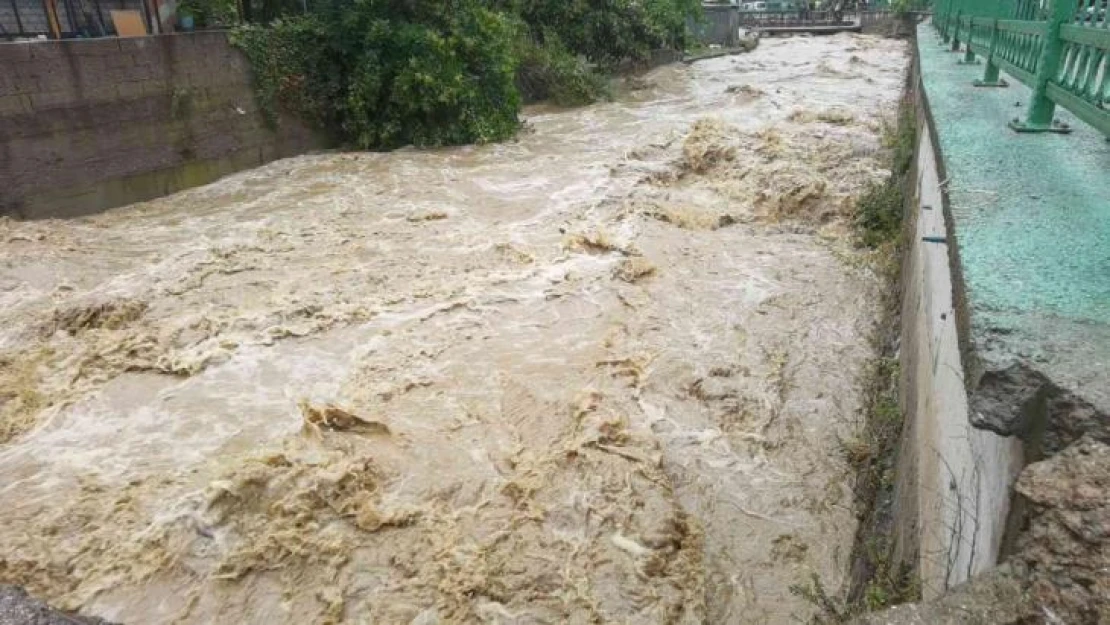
[(1057, 573), (1021, 401), (18, 608), (1066, 550)]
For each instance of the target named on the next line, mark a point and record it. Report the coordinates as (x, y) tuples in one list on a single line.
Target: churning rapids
[(600, 373)]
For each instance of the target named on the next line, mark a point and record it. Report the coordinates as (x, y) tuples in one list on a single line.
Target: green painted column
[(977, 9), (969, 54), (1041, 108), (945, 15), (999, 10), (956, 29)]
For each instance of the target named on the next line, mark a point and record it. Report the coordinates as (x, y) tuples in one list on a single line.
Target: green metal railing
[(1058, 48)]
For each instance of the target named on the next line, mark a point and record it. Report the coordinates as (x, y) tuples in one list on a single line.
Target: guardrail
[(782, 19), (1058, 48), (864, 18)]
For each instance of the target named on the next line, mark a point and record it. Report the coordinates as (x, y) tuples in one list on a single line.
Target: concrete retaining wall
[(721, 26), (87, 125), (953, 484)]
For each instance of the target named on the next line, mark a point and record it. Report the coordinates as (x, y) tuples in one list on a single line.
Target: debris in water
[(745, 93), (630, 546), (431, 215), (709, 144), (111, 315), (597, 241), (687, 217), (838, 117), (787, 548), (510, 251), (332, 417), (634, 269)]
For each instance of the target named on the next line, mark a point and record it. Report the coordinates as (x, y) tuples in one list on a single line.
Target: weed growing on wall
[(878, 580), (878, 215), (291, 62)]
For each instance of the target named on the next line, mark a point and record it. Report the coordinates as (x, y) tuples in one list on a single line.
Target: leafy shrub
[(387, 73), (549, 71), (878, 214), (210, 13), (294, 69), (442, 83), (381, 74), (607, 31)]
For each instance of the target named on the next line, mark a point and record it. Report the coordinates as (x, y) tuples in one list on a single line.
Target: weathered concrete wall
[(953, 485), (877, 22), (888, 23), (86, 125)]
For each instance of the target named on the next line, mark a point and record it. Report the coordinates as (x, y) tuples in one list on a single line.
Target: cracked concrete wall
[(953, 484)]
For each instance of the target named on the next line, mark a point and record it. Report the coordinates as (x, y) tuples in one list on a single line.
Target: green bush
[(379, 74), (294, 69), (550, 72), (433, 84), (382, 74), (606, 31), (209, 13), (878, 215)]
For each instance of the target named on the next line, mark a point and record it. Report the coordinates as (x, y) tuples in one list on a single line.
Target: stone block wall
[(91, 124)]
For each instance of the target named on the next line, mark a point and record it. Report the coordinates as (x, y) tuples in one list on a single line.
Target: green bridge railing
[(1059, 48)]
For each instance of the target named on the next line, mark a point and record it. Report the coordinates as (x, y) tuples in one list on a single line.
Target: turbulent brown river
[(599, 373)]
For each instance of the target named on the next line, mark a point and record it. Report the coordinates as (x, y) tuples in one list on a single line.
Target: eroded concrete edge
[(952, 491)]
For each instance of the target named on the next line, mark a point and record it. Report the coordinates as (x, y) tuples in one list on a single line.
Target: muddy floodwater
[(600, 373)]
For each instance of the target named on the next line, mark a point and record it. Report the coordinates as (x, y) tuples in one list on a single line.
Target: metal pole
[(100, 17), (18, 19), (69, 16), (51, 9), (146, 17)]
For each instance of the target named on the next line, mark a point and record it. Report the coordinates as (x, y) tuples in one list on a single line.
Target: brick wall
[(86, 125)]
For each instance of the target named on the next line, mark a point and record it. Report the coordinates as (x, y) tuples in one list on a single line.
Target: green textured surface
[(1032, 219)]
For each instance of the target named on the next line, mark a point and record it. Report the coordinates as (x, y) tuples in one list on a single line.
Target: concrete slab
[(953, 480), (1031, 215)]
